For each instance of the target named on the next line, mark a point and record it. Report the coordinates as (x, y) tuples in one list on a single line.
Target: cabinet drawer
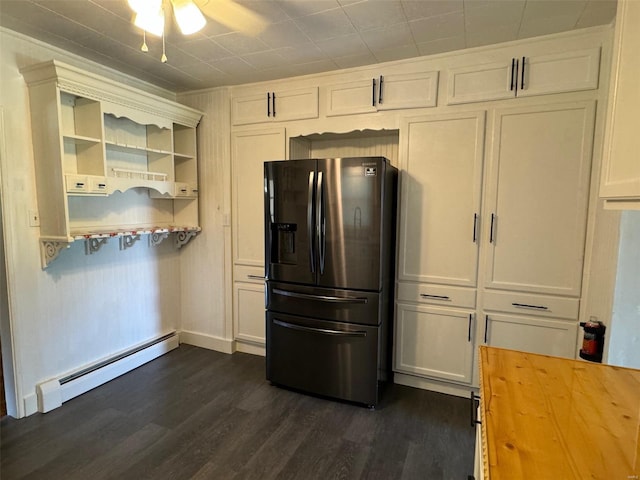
[(97, 185), (539, 305), (437, 294), (244, 273), (77, 183)]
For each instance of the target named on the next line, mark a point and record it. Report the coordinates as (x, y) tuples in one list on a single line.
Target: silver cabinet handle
[(533, 307), (435, 297), (324, 298), (322, 331), (255, 277)]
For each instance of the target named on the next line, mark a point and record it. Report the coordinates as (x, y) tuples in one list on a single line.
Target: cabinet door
[(277, 105), (440, 199), (479, 83), (249, 151), (409, 90), (537, 198), (297, 104), (434, 342), (621, 166), (525, 75), (351, 98), (531, 334), (249, 312), (558, 72)]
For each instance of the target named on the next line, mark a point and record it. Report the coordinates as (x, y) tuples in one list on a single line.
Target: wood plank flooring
[(199, 414)]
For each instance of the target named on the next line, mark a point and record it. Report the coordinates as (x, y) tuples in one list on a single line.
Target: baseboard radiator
[(53, 393)]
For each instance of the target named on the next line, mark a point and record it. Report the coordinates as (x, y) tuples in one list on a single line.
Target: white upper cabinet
[(386, 92), (249, 151), (441, 185), (536, 213), (274, 105), (524, 75), (620, 180)]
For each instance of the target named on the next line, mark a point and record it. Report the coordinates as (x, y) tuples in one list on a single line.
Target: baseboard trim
[(251, 348), (433, 385), (54, 392), (209, 342)]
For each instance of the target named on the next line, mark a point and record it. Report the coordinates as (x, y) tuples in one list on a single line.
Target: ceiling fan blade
[(233, 16)]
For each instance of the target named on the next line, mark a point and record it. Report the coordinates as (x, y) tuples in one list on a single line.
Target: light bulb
[(188, 16)]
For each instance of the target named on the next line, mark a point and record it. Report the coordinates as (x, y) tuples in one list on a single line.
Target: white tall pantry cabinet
[(494, 193), (249, 150)]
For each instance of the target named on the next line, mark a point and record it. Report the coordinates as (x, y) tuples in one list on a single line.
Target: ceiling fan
[(151, 16)]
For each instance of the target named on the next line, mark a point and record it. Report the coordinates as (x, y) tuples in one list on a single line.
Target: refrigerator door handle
[(312, 263), (320, 220), (322, 331), (324, 298)]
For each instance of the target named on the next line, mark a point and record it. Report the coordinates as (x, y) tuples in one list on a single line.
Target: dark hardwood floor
[(198, 414)]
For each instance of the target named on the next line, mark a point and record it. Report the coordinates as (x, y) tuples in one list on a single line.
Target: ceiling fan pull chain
[(144, 47), (163, 59)]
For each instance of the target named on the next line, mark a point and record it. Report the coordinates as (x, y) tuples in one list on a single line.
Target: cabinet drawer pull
[(102, 185), (255, 277), (436, 297), (474, 409), (535, 307), (79, 185)]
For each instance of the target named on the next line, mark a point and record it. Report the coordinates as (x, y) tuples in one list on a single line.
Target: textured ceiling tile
[(442, 45), (301, 8), (495, 15), (545, 26), (205, 50), (375, 13), (596, 12), (306, 53), (390, 36), (343, 46), (396, 53), (416, 9), (329, 24), (232, 66), (433, 28), (240, 44), (263, 60), (355, 60), (477, 38), (541, 9), (283, 34), (314, 67), (268, 11)]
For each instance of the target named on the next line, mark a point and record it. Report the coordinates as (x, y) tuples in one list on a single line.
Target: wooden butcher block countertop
[(553, 418)]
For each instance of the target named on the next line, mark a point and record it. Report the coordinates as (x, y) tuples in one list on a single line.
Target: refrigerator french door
[(329, 250)]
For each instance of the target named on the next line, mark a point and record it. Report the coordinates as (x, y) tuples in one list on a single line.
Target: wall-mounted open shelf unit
[(111, 161)]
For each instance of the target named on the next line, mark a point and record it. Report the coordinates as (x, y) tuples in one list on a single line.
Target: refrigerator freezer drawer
[(325, 303), (325, 358)]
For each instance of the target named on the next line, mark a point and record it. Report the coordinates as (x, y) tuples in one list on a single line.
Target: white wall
[(81, 308), (624, 342)]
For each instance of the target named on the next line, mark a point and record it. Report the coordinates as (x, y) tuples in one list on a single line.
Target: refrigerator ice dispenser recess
[(283, 246)]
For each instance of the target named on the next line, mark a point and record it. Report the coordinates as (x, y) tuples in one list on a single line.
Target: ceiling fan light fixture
[(188, 16), (151, 21), (142, 6)]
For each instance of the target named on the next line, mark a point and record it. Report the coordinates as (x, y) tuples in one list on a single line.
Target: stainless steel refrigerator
[(330, 252)]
